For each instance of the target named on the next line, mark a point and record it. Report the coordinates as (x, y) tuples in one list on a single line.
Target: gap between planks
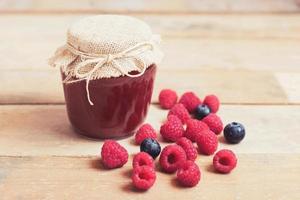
[(147, 12), (162, 6), (156, 103), (46, 156)]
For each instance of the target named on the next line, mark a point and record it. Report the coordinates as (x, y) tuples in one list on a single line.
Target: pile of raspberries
[(183, 131)]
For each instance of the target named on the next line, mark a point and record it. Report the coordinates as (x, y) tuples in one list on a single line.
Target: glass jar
[(120, 104), (108, 66)]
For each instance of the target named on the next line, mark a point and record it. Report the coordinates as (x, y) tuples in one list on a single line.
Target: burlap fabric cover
[(106, 46)]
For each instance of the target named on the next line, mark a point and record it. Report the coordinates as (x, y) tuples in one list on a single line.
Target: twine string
[(99, 60)]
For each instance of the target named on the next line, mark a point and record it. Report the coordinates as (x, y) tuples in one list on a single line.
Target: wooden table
[(246, 52)]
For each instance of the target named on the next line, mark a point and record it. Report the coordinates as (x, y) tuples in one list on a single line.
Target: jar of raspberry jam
[(108, 67)]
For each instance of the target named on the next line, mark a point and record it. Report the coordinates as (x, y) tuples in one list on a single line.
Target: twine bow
[(101, 59)]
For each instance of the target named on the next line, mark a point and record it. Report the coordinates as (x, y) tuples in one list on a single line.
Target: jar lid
[(105, 46), (107, 34)]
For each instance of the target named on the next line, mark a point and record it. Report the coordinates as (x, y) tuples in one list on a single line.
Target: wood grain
[(210, 58), (204, 26), (270, 55), (146, 6), (85, 178), (232, 86), (244, 51), (290, 83), (45, 130), (258, 43)]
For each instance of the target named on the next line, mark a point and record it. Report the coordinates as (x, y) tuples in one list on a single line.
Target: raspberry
[(188, 147), (190, 101), (145, 131), (171, 157), (143, 177), (188, 174), (180, 111), (167, 98), (207, 142), (113, 155), (193, 128), (224, 161), (214, 123), (172, 129), (212, 101), (142, 159)]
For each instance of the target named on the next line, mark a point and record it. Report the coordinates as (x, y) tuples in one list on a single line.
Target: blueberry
[(201, 111), (151, 147), (234, 132)]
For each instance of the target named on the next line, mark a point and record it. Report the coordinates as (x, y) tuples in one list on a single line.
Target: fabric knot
[(109, 58)]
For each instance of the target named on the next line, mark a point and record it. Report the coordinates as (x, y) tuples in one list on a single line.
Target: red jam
[(120, 104)]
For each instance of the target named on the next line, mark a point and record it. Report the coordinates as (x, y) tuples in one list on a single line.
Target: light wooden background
[(245, 51)]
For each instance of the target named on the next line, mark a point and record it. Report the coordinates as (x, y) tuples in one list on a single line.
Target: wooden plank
[(33, 86), (45, 131), (220, 42), (208, 61), (290, 83), (163, 6), (257, 176), (203, 26), (225, 26), (232, 86), (233, 54), (263, 55)]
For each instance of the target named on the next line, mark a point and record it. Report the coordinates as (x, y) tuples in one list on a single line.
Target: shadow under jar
[(120, 104)]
